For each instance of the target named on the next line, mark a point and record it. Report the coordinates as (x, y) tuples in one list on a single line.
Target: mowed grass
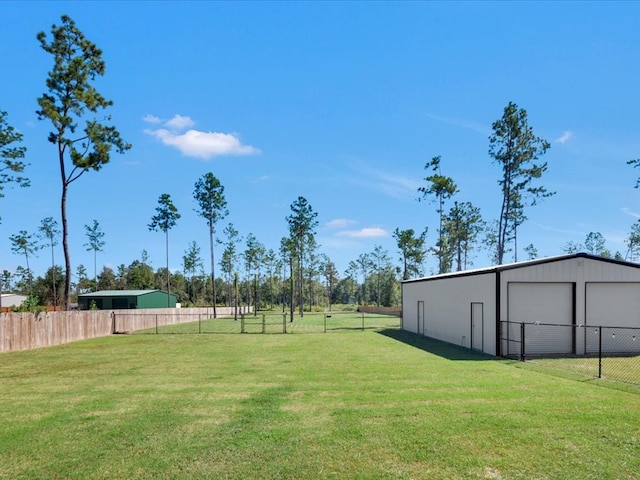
[(277, 322), (615, 369), (376, 404)]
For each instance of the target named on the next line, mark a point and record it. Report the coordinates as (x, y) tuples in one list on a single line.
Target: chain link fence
[(612, 353), (252, 323)]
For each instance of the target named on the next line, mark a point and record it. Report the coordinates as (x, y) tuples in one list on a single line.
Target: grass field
[(616, 369), (276, 322), (372, 404)]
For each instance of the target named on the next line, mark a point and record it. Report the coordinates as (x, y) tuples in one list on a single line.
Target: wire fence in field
[(260, 323), (611, 353)]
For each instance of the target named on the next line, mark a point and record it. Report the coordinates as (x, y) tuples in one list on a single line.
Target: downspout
[(401, 305), (498, 340)]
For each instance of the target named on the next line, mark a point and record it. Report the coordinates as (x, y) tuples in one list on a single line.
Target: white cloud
[(398, 186), (559, 230), (390, 184), (262, 178), (196, 143), (630, 212), (340, 223), (151, 119), (565, 137), (370, 232), (179, 123), (458, 122)]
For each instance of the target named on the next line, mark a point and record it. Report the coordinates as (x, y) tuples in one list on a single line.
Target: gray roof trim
[(527, 263)]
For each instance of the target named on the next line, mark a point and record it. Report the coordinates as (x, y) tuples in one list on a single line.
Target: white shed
[(12, 299), (483, 309)]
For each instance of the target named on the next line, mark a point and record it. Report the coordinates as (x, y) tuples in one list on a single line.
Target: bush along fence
[(596, 351)]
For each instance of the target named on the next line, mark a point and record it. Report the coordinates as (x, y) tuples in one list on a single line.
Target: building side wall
[(156, 300), (447, 309)]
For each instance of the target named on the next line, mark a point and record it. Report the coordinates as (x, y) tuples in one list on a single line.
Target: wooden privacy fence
[(397, 311), (23, 331)]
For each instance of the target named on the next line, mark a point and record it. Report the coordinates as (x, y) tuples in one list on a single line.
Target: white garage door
[(543, 303), (612, 305)]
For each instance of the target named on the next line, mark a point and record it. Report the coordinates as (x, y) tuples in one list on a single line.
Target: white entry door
[(477, 326)]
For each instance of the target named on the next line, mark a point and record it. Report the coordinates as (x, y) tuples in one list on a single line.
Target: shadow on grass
[(436, 347), (355, 329)]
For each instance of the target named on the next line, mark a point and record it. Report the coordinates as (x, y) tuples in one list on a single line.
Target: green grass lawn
[(277, 322), (350, 405), (616, 369)]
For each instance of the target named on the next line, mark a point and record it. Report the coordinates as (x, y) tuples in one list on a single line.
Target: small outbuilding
[(11, 300), (484, 309), (125, 299)]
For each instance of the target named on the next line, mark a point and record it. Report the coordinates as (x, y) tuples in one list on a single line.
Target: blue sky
[(341, 102)]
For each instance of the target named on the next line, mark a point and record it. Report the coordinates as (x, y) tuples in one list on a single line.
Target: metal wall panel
[(540, 302), (447, 308), (613, 304)]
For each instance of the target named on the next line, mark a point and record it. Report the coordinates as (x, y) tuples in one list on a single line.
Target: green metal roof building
[(124, 299)]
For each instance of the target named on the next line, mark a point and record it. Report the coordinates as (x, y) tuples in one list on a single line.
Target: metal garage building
[(555, 298), (121, 299)]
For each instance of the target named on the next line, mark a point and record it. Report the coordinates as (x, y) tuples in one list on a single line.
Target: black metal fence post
[(600, 353), (242, 323), (264, 330), (156, 323), (363, 321), (522, 349)]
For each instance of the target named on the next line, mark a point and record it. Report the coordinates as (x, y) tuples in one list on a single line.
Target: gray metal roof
[(526, 263), (118, 293)]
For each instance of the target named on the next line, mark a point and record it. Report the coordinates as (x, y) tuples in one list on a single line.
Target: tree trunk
[(65, 247), (235, 297), (300, 281), (53, 275), (166, 236), (213, 277), (95, 270), (292, 296)]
